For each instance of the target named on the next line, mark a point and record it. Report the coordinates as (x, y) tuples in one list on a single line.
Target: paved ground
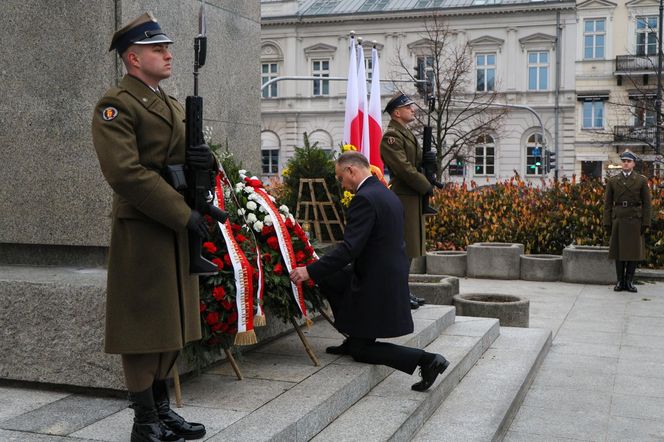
[(603, 378)]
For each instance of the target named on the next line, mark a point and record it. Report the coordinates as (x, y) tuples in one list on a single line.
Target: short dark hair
[(353, 158)]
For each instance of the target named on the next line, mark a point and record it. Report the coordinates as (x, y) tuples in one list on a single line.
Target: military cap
[(399, 100), (628, 155), (142, 31)]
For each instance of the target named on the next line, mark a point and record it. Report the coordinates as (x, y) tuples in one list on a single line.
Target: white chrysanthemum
[(242, 172), (241, 212), (227, 192), (284, 209), (252, 197), (267, 220), (272, 198), (251, 218), (239, 187), (249, 189), (252, 205), (261, 209), (258, 226)]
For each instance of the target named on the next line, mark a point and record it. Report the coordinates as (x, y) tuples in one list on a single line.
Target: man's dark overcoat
[(152, 301), (375, 301), (627, 207), (401, 153)]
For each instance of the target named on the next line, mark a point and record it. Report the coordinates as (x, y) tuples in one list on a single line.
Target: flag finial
[(359, 41)]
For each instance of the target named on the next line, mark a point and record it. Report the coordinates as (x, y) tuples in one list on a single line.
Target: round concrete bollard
[(512, 311), (496, 260), (447, 262), (541, 267), (436, 289)]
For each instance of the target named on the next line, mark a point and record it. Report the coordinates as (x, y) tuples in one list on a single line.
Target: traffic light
[(420, 75), (537, 157), (550, 162)]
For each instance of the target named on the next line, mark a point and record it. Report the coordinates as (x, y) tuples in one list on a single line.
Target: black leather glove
[(199, 157), (429, 157), (198, 225)]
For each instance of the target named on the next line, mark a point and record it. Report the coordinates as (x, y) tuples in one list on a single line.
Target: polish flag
[(352, 121), (375, 119), (363, 103)]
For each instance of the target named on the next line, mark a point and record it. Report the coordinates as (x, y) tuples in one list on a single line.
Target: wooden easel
[(317, 208)]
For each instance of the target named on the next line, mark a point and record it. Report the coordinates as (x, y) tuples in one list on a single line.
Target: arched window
[(270, 146), (485, 155), (323, 138), (534, 155)]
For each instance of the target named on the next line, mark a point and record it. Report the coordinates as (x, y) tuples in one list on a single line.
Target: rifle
[(429, 168), (200, 181)]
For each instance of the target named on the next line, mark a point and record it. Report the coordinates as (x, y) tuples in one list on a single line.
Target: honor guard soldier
[(627, 211), (402, 155), (152, 305)]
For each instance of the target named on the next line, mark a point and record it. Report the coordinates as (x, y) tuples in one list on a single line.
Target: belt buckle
[(625, 203)]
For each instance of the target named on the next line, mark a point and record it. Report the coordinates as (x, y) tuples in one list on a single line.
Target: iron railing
[(644, 134), (636, 63)]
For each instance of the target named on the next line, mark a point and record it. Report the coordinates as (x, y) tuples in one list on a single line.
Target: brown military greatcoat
[(401, 153), (152, 301), (627, 207)]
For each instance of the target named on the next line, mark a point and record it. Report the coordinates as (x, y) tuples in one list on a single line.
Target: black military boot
[(147, 426), (172, 420), (629, 277), (620, 274)]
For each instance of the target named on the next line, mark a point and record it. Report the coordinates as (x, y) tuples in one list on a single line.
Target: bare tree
[(461, 114)]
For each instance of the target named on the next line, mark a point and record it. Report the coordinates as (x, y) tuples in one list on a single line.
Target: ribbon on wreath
[(244, 290), (285, 245), (259, 318)]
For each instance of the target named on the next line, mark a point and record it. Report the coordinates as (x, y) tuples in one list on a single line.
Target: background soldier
[(152, 306), (627, 211), (402, 155)]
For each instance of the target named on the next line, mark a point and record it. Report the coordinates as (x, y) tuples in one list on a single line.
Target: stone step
[(392, 411), (291, 400), (484, 403)]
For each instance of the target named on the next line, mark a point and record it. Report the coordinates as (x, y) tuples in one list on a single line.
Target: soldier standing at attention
[(402, 155), (627, 212), (152, 305)]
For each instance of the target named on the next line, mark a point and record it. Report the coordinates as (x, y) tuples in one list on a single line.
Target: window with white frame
[(534, 155), (538, 70), (425, 62), (593, 114), (646, 35), (456, 167), (594, 34), (485, 155), (321, 68), (269, 71), (269, 153), (645, 113), (485, 68)]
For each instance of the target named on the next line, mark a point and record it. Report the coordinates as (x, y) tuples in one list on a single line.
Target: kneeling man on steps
[(365, 278)]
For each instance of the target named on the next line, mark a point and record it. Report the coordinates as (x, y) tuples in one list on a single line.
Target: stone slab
[(541, 267), (21, 436), (435, 289), (494, 260), (446, 263), (588, 265), (16, 401), (484, 403)]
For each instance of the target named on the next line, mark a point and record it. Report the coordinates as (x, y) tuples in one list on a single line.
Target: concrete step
[(296, 403), (484, 403), (392, 411)]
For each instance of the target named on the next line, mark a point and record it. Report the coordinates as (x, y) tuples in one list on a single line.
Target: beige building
[(616, 81), (522, 49)]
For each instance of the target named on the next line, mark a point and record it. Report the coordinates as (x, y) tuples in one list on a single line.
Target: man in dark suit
[(369, 298)]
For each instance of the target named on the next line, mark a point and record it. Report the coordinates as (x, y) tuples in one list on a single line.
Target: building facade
[(521, 49)]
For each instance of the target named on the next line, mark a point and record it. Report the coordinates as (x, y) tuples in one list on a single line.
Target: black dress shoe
[(414, 305), (337, 349), (430, 372), (170, 419), (619, 287), (630, 287), (420, 301)]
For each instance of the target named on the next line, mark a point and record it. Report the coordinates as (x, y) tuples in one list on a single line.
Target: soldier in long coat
[(627, 213), (402, 155), (152, 306)]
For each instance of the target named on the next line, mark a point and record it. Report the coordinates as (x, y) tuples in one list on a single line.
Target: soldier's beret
[(628, 155), (398, 100), (142, 31)]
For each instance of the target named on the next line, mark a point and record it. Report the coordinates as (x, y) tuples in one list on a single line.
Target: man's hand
[(198, 225), (199, 157), (299, 274), (429, 157)]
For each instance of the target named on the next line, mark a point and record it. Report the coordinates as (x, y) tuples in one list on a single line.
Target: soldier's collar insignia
[(109, 113), (391, 140)]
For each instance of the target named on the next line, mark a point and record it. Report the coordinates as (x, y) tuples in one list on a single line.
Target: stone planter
[(512, 311), (418, 265), (496, 260), (436, 289), (447, 262), (588, 265), (541, 267)]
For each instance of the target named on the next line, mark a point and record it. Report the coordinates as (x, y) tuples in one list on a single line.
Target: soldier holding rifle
[(152, 307)]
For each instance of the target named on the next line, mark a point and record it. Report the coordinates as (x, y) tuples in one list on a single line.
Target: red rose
[(278, 269), (226, 304), (267, 258), (273, 243), (299, 256), (209, 246), (227, 259), (219, 293), (267, 230), (212, 318), (202, 307), (218, 262), (232, 318), (217, 326), (236, 227), (240, 237)]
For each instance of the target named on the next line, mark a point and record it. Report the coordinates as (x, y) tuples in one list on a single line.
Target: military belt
[(627, 204)]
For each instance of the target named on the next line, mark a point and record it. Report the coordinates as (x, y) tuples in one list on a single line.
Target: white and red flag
[(352, 122), (363, 104), (375, 131)]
